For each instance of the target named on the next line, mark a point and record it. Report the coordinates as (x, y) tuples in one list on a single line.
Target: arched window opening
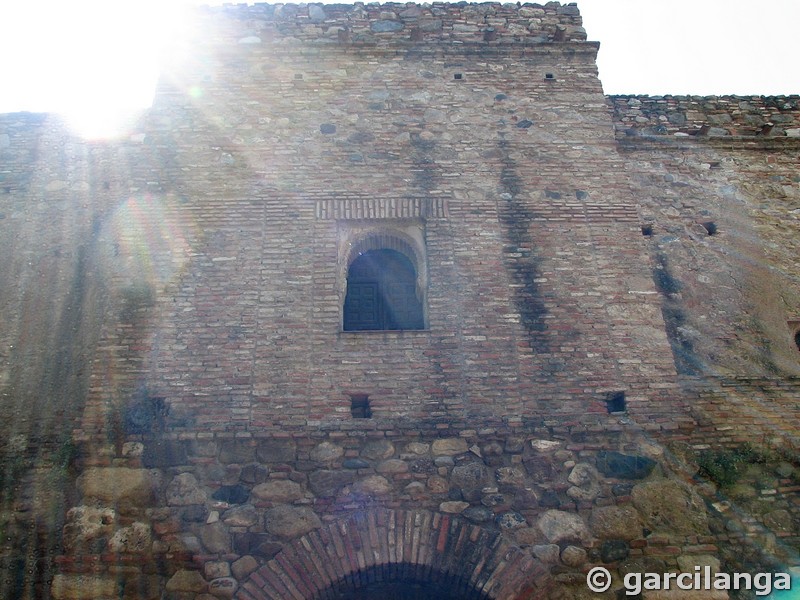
[(382, 293)]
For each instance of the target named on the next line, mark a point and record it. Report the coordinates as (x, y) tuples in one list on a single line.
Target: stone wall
[(53, 195), (712, 116), (239, 513), (723, 203), (719, 215), (393, 23), (718, 190)]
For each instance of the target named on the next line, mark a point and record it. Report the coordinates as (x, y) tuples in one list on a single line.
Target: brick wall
[(537, 285)]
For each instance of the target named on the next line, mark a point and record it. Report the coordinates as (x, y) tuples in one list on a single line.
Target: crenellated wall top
[(380, 24), (706, 116)]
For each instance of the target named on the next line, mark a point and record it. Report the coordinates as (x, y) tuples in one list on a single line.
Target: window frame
[(406, 237), (381, 293)]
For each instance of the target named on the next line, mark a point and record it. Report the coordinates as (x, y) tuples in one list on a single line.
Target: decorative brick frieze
[(381, 208)]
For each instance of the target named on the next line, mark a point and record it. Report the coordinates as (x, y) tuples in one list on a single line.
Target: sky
[(95, 57), (698, 47)]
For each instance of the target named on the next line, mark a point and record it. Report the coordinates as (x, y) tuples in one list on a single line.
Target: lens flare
[(146, 244)]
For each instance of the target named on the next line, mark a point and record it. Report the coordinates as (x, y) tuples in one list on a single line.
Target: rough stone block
[(118, 486), (290, 522), (187, 581), (83, 587)]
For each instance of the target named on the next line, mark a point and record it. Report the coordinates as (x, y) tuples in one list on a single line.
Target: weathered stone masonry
[(610, 297)]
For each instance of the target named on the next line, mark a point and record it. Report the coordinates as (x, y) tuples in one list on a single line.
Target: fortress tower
[(384, 300)]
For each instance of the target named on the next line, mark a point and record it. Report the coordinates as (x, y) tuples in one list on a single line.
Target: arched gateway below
[(399, 555), (402, 581)]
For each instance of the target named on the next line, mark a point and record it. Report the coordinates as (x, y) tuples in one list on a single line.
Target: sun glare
[(95, 63), (99, 123)]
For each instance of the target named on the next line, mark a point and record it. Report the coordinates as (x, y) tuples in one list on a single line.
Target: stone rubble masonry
[(720, 210), (176, 297), (397, 23), (706, 116), (353, 523)]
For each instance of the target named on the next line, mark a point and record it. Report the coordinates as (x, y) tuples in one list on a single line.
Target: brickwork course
[(608, 368)]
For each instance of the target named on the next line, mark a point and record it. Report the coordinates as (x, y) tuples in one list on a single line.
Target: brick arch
[(385, 237), (390, 239), (431, 545)]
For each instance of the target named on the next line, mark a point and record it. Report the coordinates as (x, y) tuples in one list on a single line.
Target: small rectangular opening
[(549, 76), (458, 76), (794, 327), (647, 230), (359, 406), (615, 402)]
